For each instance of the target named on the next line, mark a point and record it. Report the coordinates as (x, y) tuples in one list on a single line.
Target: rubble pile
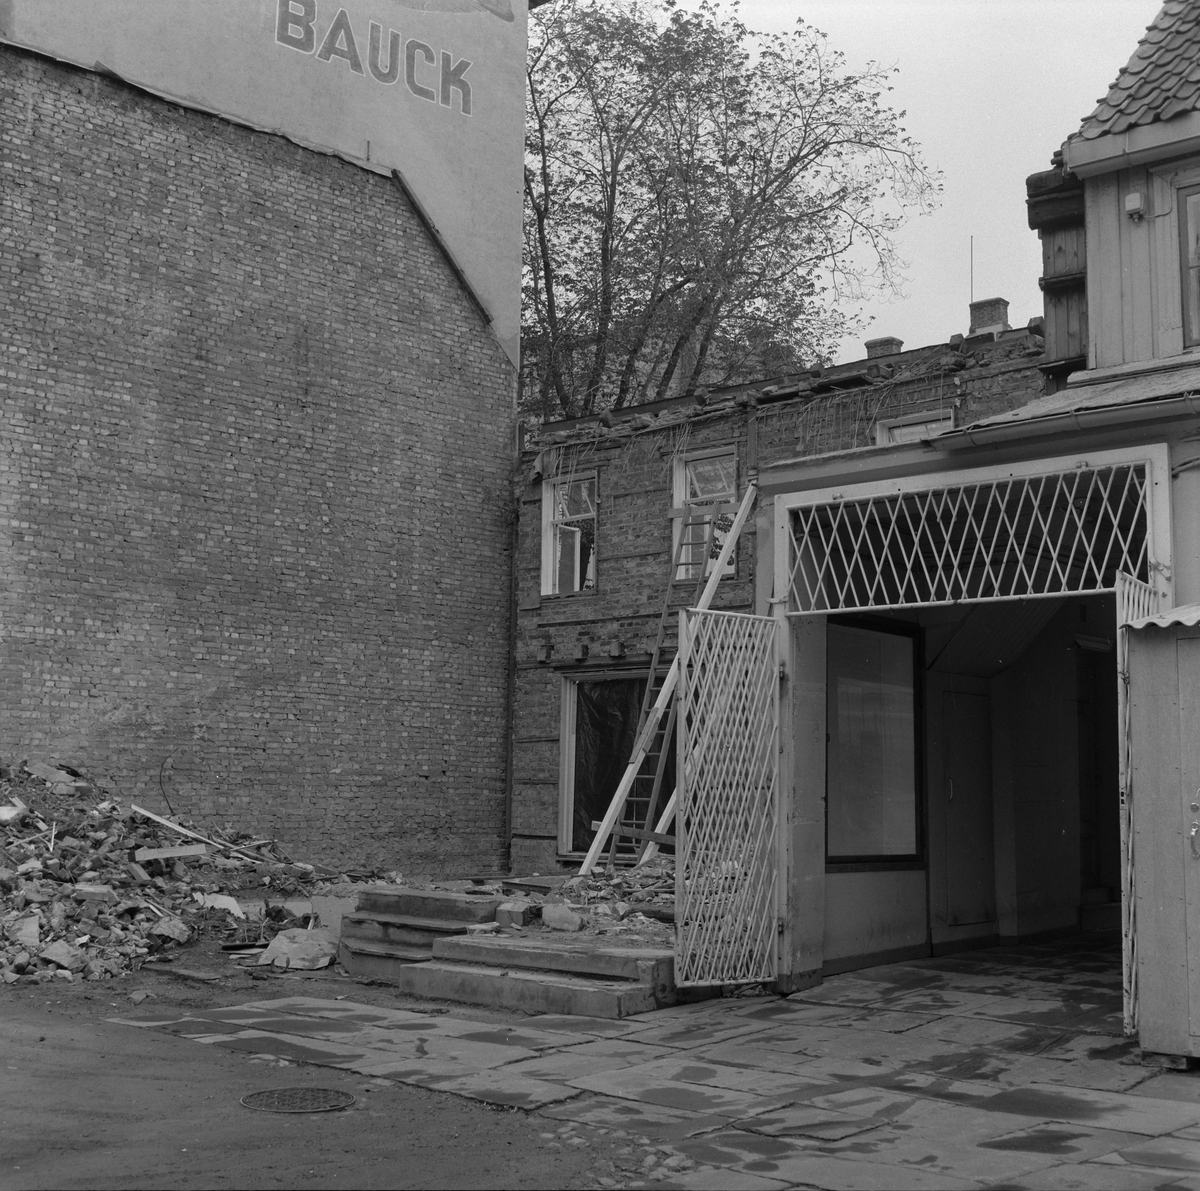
[(637, 904), (91, 888)]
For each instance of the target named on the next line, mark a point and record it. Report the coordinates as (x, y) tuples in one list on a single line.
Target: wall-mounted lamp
[(1135, 205)]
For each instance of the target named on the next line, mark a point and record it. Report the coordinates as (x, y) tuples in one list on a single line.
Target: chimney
[(887, 346), (989, 314)]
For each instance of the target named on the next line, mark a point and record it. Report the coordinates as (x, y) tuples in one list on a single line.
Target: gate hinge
[(780, 926)]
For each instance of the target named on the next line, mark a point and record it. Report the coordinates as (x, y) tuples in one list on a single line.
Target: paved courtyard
[(996, 1068)]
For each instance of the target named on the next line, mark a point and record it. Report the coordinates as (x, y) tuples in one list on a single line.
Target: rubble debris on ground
[(92, 888), (634, 904)]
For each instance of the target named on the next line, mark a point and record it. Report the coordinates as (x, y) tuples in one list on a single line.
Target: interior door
[(967, 773)]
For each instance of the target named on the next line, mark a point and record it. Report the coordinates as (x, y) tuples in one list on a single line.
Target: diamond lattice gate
[(1134, 600), (1011, 537), (727, 820)]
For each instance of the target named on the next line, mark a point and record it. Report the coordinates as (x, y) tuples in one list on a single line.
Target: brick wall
[(255, 455), (634, 470)]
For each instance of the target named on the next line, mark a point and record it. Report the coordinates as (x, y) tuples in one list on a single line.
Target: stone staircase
[(545, 975), (421, 941), (394, 928)]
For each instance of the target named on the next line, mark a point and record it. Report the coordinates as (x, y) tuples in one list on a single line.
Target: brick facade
[(255, 504), (633, 459)]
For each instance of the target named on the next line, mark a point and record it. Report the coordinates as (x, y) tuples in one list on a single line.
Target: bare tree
[(701, 201)]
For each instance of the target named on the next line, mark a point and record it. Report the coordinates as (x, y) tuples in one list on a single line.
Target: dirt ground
[(88, 1103)]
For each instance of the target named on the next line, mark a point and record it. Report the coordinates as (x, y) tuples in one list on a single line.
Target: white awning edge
[(1187, 616)]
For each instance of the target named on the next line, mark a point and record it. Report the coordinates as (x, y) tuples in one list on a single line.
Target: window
[(569, 535), (912, 428), (703, 479), (1189, 252), (871, 757), (599, 730)]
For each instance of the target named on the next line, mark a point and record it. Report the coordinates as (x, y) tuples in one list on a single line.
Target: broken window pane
[(573, 536), (871, 766), (707, 481)]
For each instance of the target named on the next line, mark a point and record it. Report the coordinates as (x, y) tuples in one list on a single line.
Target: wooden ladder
[(659, 707), (689, 569)]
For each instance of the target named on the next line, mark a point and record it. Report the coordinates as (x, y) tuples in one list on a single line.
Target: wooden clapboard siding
[(1138, 272), (1165, 247), (1064, 255), (1158, 846), (1106, 330)]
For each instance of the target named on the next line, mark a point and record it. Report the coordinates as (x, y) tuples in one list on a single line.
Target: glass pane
[(711, 479), (871, 806), (575, 557), (575, 498)]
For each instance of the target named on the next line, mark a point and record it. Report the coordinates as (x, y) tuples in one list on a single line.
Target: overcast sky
[(991, 88)]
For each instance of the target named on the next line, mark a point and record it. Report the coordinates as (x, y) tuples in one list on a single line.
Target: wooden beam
[(637, 833)]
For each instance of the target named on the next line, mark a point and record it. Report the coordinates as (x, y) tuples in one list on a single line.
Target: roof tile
[(1160, 79)]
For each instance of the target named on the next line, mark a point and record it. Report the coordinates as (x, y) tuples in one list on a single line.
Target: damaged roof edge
[(1095, 417)]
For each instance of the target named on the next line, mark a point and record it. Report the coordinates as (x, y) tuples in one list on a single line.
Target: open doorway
[(986, 786)]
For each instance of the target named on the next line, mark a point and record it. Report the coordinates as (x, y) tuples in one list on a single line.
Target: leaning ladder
[(665, 698), (693, 547)]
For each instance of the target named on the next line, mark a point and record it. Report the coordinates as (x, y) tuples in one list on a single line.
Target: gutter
[(986, 435)]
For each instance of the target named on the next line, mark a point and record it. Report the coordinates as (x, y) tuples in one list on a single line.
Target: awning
[(1187, 616)]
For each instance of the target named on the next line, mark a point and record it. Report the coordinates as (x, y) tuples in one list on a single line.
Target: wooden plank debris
[(144, 854)]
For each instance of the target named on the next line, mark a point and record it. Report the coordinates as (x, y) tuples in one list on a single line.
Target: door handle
[(1192, 840), (950, 783)]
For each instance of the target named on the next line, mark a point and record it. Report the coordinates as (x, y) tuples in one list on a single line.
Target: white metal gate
[(1134, 599), (727, 819), (1015, 536)]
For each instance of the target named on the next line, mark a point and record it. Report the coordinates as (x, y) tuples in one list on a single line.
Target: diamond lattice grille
[(1134, 600), (727, 817), (994, 540)]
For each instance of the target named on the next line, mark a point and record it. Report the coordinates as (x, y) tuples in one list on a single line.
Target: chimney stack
[(989, 314), (887, 346)]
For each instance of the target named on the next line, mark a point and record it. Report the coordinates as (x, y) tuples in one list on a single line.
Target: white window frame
[(908, 429), (681, 505), (549, 568)]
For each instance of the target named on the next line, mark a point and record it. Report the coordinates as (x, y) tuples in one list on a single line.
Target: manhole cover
[(298, 1100)]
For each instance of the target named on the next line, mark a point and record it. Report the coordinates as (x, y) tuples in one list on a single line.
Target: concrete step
[(400, 929), (377, 961), (528, 990), (424, 903), (642, 966)]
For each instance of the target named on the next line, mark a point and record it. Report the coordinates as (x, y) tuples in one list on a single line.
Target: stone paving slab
[(501, 1087), (1106, 1110), (1166, 1153), (653, 1084), (647, 1120), (589, 1058), (792, 1163), (999, 1069), (684, 1035), (713, 1178), (1094, 1176)]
